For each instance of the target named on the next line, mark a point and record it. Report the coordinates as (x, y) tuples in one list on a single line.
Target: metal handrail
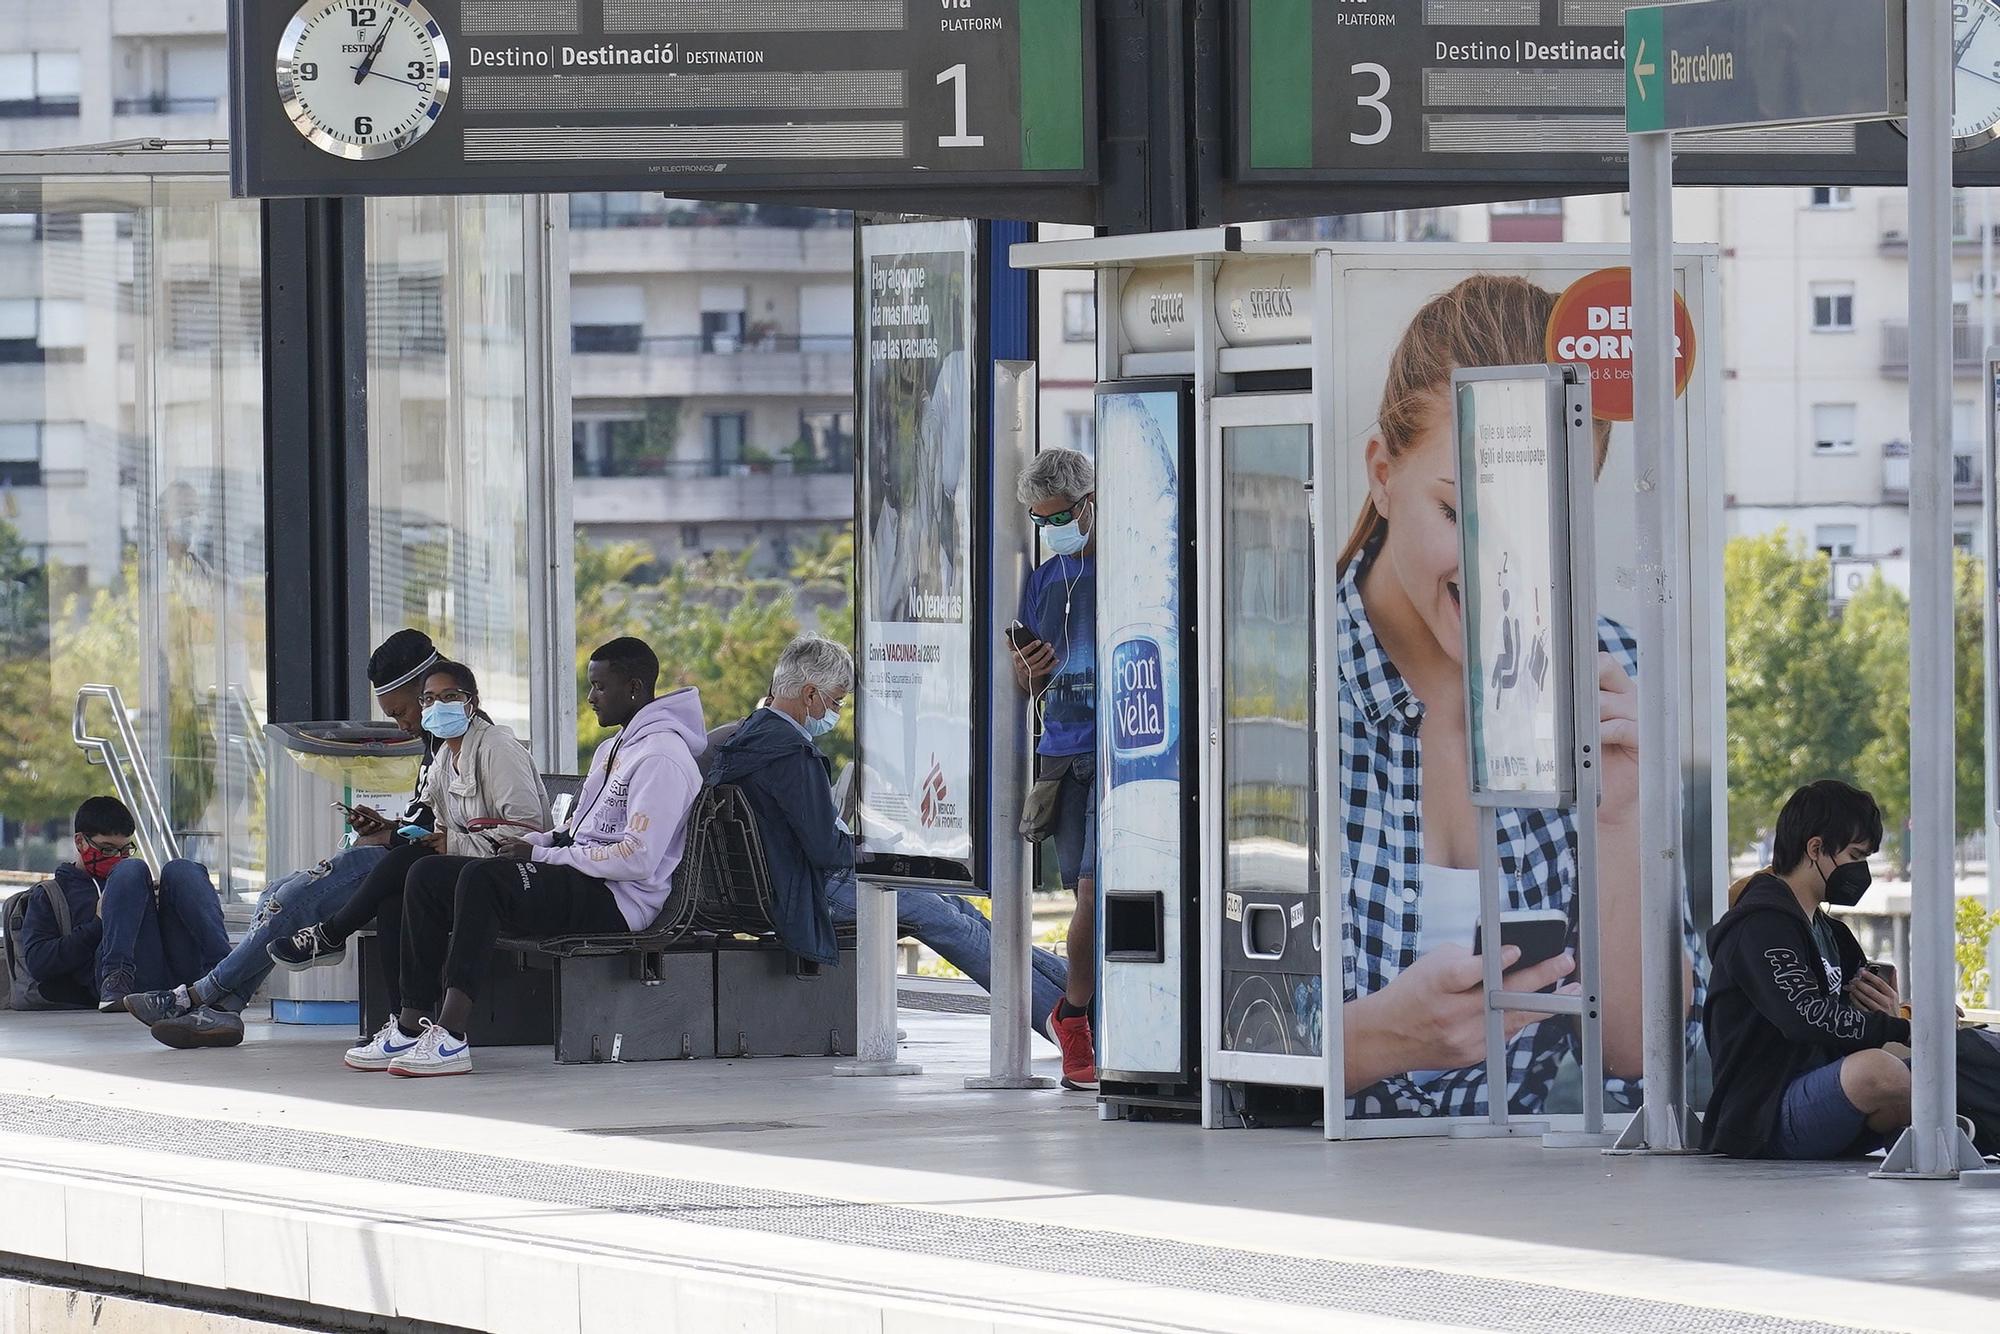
[(156, 833), (247, 735)]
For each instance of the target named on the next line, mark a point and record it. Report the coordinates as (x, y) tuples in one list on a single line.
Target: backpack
[(1979, 1086), (22, 991)]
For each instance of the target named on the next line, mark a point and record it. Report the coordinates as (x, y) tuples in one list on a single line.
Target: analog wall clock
[(363, 81)]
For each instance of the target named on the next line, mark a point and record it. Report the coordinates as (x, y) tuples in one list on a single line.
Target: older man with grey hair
[(1055, 662), (774, 759)]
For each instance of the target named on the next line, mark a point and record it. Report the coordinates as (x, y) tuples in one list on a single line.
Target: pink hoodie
[(630, 823)]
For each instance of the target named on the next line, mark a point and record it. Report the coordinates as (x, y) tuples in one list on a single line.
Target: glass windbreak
[(1270, 932), (448, 468), (132, 514)]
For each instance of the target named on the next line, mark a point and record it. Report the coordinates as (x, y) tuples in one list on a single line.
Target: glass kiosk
[(1307, 883)]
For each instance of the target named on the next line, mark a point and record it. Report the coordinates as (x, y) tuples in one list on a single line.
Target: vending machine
[(1149, 1038)]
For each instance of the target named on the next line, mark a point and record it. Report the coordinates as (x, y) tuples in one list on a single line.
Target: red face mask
[(98, 862)]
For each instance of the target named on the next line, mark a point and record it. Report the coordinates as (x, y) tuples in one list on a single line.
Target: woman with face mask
[(1414, 1023), (482, 785)]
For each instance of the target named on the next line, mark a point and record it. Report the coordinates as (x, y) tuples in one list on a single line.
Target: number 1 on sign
[(955, 76)]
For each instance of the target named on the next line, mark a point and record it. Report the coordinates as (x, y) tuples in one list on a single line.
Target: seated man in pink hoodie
[(609, 872)]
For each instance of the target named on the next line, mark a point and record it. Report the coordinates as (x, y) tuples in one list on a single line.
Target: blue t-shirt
[(1060, 606)]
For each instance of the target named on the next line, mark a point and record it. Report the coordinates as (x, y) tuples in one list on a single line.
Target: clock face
[(363, 81), (1975, 82)]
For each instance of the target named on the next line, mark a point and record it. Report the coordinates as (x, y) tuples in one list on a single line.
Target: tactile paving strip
[(1383, 1290)]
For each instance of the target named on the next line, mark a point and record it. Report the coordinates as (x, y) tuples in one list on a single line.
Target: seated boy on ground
[(1795, 1022), (125, 932)]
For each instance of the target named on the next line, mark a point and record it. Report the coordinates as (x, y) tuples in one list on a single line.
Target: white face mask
[(1069, 539)]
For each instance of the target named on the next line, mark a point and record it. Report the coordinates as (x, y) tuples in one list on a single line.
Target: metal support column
[(551, 527), (315, 458), (1933, 1147), (1665, 1124)]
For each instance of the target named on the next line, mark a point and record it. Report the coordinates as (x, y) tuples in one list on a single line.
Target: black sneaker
[(111, 993), (150, 1007), (205, 1027), (305, 949)]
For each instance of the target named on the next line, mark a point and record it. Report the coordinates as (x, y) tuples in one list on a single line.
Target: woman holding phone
[(481, 786), (1414, 1027)]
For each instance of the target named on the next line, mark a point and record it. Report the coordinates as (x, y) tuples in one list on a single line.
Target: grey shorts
[(1076, 814), (1815, 1120)]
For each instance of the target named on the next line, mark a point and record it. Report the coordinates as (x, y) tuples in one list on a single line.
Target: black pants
[(379, 898), (455, 908)]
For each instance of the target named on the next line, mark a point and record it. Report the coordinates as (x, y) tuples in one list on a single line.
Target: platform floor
[(769, 1195)]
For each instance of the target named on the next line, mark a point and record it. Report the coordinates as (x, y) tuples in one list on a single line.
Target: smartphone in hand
[(1020, 636)]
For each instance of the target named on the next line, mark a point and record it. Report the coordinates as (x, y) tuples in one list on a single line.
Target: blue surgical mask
[(447, 720), (826, 722), (1068, 540)]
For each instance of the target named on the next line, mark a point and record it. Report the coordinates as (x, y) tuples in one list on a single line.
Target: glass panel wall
[(131, 508), (448, 433)]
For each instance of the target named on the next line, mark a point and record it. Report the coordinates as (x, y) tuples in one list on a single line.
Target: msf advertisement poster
[(1139, 695), (1505, 464), (914, 568), (1409, 853)]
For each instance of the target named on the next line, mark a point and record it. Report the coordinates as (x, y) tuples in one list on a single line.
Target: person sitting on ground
[(208, 1012), (482, 787), (774, 759), (126, 932), (608, 873), (1796, 1024)]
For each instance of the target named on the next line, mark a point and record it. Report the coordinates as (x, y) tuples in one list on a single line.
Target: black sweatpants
[(455, 908), (379, 898)]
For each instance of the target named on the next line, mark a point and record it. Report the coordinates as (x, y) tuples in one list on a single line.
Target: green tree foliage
[(715, 624), (1975, 926), (1800, 706)]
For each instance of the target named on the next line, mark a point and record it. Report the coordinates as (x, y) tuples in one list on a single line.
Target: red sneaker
[(1079, 1052)]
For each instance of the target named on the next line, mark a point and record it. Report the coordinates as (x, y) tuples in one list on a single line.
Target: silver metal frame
[(551, 521), (1228, 414), (156, 831), (307, 124)]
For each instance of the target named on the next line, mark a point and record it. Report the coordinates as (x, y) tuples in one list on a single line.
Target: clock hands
[(1965, 42), (376, 73), (368, 61)]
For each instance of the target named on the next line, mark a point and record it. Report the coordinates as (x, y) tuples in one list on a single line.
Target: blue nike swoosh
[(394, 1050), (450, 1051)]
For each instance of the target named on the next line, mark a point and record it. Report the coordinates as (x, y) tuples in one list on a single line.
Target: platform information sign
[(484, 96), (1483, 92)]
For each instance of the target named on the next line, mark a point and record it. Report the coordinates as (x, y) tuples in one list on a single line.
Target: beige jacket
[(492, 776)]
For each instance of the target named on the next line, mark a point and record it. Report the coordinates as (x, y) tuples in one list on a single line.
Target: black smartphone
[(1020, 636), (1540, 935), (1887, 972)]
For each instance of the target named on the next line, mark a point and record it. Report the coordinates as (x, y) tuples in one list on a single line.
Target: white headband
[(411, 675)]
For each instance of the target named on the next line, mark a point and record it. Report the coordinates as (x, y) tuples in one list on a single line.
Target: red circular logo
[(1592, 327)]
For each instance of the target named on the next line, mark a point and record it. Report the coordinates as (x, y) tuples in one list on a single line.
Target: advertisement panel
[(914, 571), (1508, 467), (1140, 699), (1409, 851)]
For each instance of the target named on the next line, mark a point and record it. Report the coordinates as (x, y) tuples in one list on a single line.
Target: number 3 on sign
[(955, 76), (1373, 101)]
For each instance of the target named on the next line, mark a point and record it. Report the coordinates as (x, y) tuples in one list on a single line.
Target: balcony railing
[(611, 338), (1895, 224), (1965, 473), (690, 469), (160, 104), (1967, 354)]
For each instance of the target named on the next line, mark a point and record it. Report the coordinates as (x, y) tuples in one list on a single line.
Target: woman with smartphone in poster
[(1414, 1024)]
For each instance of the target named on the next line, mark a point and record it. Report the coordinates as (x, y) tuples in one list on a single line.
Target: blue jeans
[(959, 934), (162, 938), (294, 903)]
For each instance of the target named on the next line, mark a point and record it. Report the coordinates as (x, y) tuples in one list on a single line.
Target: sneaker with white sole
[(374, 1055), (436, 1053)]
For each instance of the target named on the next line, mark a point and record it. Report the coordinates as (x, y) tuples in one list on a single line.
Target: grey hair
[(812, 660), (1056, 474)]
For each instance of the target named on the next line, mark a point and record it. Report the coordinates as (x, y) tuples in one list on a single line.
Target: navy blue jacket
[(66, 966), (789, 786)]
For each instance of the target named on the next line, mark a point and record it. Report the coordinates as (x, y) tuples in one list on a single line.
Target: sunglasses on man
[(1060, 519)]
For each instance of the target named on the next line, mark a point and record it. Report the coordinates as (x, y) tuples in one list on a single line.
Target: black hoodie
[(1775, 1013)]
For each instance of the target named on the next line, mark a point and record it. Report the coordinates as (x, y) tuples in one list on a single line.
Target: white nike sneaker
[(374, 1055), (436, 1053)]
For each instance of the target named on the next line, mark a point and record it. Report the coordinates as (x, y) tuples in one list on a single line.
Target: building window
[(724, 318), (604, 337), (1833, 428), (690, 537), (1079, 317), (1833, 307), (613, 447), (606, 317), (1836, 539), (30, 328), (826, 442), (1081, 432), (1833, 196), (727, 432), (1962, 536), (40, 83), (20, 453)]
